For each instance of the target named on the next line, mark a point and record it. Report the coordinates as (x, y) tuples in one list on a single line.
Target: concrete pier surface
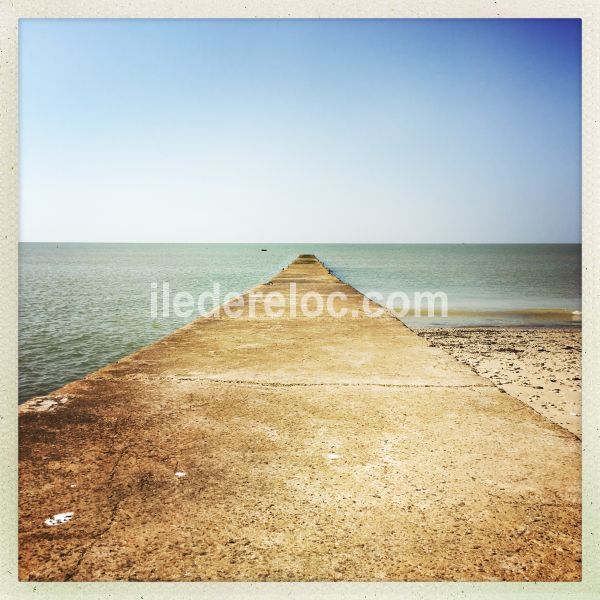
[(295, 449)]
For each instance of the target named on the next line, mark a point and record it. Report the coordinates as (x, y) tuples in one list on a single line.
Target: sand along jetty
[(294, 448)]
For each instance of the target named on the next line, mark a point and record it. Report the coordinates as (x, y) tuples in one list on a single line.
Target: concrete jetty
[(294, 449)]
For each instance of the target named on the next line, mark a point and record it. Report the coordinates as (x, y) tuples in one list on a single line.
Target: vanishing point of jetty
[(294, 449)]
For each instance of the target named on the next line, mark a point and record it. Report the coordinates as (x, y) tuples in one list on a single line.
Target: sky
[(349, 131)]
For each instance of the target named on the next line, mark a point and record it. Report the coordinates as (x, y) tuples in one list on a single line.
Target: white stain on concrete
[(59, 519)]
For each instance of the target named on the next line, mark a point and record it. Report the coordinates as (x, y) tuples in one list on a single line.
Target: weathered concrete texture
[(313, 449)]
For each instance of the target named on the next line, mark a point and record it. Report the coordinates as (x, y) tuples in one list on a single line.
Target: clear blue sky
[(300, 131)]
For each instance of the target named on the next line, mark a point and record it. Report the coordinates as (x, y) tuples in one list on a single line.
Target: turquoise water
[(82, 306)]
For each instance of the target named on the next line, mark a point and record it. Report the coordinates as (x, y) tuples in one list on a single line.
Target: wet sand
[(541, 367), (295, 449)]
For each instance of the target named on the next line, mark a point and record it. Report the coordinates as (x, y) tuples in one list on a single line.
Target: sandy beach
[(541, 367)]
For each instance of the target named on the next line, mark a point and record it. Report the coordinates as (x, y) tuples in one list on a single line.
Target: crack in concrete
[(97, 536), (295, 384)]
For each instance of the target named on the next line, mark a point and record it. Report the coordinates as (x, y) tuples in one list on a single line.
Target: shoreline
[(552, 318)]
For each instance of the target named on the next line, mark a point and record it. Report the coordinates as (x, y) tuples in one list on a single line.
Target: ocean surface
[(82, 306)]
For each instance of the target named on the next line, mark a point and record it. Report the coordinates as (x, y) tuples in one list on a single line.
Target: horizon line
[(312, 243)]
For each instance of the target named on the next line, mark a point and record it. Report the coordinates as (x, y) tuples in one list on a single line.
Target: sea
[(82, 306)]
